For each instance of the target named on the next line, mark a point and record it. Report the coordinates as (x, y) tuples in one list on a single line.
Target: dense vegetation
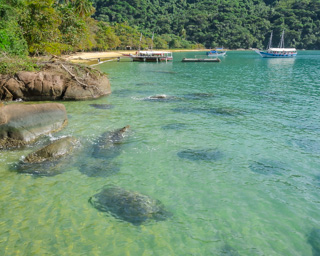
[(231, 23), (37, 27)]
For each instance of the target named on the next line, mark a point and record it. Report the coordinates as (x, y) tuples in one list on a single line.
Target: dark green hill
[(231, 23)]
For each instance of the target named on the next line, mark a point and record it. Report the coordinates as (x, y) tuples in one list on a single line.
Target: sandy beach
[(89, 57)]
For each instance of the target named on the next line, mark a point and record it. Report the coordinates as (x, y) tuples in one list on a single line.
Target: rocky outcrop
[(128, 205), (50, 160), (21, 124), (53, 151), (55, 81)]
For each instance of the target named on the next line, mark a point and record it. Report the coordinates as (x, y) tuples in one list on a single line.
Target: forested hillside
[(37, 27), (228, 23)]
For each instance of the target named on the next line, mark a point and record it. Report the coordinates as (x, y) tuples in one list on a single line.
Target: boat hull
[(216, 54), (200, 60), (276, 55), (150, 59)]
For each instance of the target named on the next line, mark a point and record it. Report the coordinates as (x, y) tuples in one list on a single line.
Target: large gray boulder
[(49, 160), (130, 206), (56, 81), (53, 151), (21, 124)]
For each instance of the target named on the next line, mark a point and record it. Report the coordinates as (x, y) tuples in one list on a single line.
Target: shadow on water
[(174, 126), (103, 152), (268, 167), (314, 241), (102, 106), (227, 250), (99, 168), (210, 111), (129, 206), (145, 84), (201, 154), (307, 145)]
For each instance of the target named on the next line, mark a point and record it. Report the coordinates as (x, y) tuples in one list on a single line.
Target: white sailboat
[(280, 52)]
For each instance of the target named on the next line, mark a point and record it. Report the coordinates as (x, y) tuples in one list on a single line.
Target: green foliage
[(106, 37), (228, 23), (11, 38), (40, 27), (12, 64)]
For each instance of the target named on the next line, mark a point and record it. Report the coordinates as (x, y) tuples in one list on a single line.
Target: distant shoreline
[(86, 57)]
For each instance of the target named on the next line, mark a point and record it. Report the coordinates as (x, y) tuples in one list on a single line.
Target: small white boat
[(279, 52), (216, 53)]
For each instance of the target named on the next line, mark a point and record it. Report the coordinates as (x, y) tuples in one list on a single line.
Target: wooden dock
[(201, 60)]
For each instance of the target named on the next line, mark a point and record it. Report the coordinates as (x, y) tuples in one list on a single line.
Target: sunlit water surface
[(232, 153)]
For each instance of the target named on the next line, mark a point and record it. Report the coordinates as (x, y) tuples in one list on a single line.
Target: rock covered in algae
[(53, 151), (129, 206), (108, 143), (46, 161)]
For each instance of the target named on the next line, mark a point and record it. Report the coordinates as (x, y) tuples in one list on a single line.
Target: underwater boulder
[(53, 151), (314, 241), (268, 167), (174, 126), (208, 154), (46, 161), (162, 98), (129, 206), (22, 124), (108, 144), (102, 106)]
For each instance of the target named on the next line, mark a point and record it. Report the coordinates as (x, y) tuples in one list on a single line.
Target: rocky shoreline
[(57, 80), (23, 124)]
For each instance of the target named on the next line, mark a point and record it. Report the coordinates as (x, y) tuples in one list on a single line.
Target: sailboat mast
[(270, 41), (281, 44), (140, 41)]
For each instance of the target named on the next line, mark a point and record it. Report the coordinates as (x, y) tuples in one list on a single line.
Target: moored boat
[(218, 52), (279, 52), (152, 56), (201, 60)]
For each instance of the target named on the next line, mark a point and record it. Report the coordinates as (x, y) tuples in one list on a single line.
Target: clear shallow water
[(251, 186)]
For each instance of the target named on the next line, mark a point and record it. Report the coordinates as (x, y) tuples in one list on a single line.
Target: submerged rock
[(211, 111), (46, 161), (102, 106), (162, 98), (108, 144), (314, 241), (129, 206), (21, 124), (175, 126), (227, 250), (268, 167), (53, 151), (107, 147), (201, 154)]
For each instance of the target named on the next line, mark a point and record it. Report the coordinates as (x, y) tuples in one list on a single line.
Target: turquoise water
[(232, 153)]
